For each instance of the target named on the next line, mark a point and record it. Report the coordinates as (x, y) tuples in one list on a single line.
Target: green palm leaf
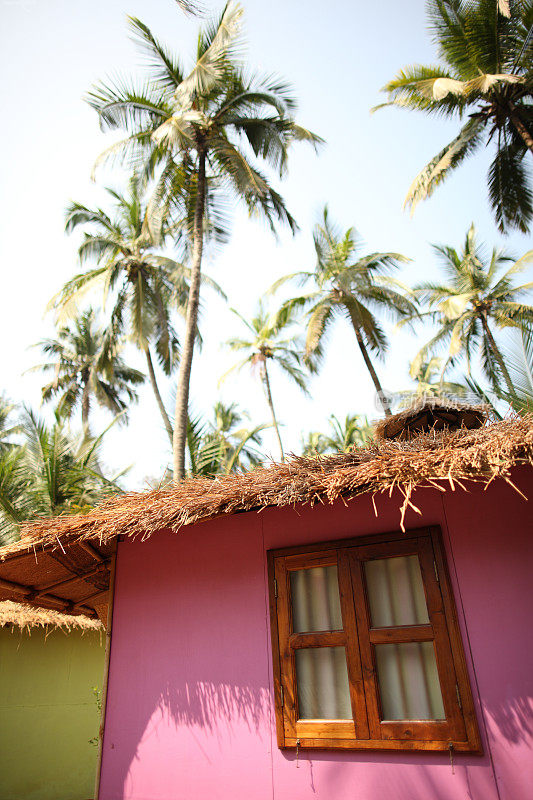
[(444, 162), (484, 47)]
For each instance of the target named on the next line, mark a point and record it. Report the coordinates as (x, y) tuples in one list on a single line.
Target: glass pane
[(322, 681), (396, 592), (315, 599), (408, 681)]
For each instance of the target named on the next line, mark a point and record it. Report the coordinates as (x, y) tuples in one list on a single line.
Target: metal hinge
[(436, 570), (275, 588), (458, 696), (281, 694)]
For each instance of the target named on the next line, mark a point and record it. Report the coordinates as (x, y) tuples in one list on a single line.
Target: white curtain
[(321, 672), (315, 599), (407, 673), (396, 591), (408, 681), (322, 680)]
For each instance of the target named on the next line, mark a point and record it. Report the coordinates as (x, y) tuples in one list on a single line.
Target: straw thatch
[(23, 616), (431, 413), (433, 459)]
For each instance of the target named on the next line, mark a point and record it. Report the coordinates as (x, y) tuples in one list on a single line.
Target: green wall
[(48, 713)]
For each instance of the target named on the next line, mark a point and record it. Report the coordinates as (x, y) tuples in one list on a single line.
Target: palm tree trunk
[(85, 407), (370, 367), (266, 384), (520, 127), (191, 321), (498, 356), (159, 401)]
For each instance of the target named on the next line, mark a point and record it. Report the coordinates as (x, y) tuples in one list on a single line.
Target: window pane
[(408, 681), (315, 599), (395, 591), (322, 681)]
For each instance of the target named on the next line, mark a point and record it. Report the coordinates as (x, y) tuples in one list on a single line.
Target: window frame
[(367, 731)]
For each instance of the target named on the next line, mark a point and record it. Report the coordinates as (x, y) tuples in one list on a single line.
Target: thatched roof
[(451, 456), (26, 617), (81, 545), (431, 413)]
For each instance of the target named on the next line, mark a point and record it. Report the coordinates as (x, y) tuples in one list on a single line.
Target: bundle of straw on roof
[(25, 617), (431, 413)]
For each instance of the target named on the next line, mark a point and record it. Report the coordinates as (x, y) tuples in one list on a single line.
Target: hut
[(50, 666), (354, 625)]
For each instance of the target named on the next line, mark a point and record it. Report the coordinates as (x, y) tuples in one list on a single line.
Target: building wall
[(190, 695), (48, 713)]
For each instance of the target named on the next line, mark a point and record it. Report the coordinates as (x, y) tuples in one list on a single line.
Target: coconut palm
[(486, 78), (354, 432), (206, 128), (51, 472), (518, 355), (145, 285), (271, 340), (223, 445), (430, 383), (481, 294), (313, 443), (87, 368), (352, 286), (12, 487), (517, 352), (8, 426)]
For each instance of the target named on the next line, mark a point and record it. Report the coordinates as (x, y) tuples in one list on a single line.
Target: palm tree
[(352, 287), (355, 432), (487, 76), (12, 488), (223, 445), (430, 383), (518, 356), (517, 353), (271, 340), (8, 427), (144, 283), (476, 299), (51, 472), (205, 128), (86, 367)]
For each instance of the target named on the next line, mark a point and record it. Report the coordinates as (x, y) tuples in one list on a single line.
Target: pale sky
[(337, 56)]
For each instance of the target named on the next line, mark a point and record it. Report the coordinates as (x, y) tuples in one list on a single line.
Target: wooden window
[(367, 649)]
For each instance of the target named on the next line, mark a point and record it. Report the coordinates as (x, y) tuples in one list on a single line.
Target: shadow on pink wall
[(222, 730)]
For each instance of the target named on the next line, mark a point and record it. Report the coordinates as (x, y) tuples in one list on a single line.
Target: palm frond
[(121, 104), (250, 185), (444, 162), (510, 191), (212, 62), (78, 214), (165, 68), (423, 88), (319, 319)]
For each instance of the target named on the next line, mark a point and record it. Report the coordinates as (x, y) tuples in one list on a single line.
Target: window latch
[(450, 748)]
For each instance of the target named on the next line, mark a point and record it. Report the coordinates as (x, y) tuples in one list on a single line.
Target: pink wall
[(190, 711)]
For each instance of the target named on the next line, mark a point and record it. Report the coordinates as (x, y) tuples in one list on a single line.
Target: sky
[(337, 55)]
